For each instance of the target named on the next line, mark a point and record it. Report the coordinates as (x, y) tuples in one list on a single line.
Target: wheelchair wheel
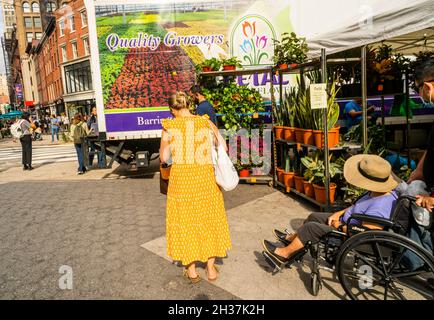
[(315, 283), (371, 266)]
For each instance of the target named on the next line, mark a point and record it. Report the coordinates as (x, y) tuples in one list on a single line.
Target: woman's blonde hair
[(179, 100)]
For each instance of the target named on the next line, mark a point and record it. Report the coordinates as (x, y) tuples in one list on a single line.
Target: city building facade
[(9, 19), (32, 17), (74, 53)]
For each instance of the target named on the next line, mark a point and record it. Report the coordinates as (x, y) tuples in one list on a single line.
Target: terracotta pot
[(244, 173), (283, 66), (298, 135), (308, 136), (299, 183), (288, 133), (280, 175), (335, 132), (288, 179), (333, 137), (308, 189), (206, 69), (320, 195), (229, 68), (278, 132)]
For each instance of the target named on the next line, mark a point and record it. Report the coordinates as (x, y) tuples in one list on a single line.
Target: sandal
[(192, 280), (212, 279)]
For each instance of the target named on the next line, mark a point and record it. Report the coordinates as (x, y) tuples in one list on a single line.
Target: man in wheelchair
[(369, 172)]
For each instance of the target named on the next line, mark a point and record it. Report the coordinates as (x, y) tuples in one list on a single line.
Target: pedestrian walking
[(79, 130), (65, 122), (24, 125), (196, 222), (92, 124), (55, 127)]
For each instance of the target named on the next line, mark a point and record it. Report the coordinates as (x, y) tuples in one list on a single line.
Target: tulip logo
[(251, 40)]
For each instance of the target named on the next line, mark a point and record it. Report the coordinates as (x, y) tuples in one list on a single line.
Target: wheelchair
[(372, 264)]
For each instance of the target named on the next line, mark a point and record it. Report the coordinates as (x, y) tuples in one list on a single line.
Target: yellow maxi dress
[(196, 222)]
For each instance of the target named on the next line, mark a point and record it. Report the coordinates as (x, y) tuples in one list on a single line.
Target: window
[(74, 50), (35, 7), (29, 36), (86, 46), (71, 23), (28, 22), (51, 6), (62, 27), (38, 35), (37, 22), (26, 7), (63, 50), (83, 19), (78, 77)]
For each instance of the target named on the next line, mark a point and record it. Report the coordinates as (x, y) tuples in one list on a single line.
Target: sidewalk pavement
[(244, 273), (46, 141)]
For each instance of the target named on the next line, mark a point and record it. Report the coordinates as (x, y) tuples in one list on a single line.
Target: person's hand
[(334, 221), (426, 202), (415, 175)]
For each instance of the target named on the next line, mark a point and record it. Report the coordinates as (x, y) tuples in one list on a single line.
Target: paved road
[(96, 228), (11, 156)]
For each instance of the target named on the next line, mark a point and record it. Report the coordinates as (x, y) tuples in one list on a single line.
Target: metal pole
[(326, 139), (273, 138), (407, 118), (364, 99)]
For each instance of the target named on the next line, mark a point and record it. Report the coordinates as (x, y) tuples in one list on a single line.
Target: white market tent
[(407, 25)]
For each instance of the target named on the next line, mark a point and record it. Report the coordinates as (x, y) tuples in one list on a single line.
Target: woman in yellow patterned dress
[(196, 222)]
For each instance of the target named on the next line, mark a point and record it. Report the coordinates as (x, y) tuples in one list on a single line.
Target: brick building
[(32, 17), (44, 55), (74, 53)]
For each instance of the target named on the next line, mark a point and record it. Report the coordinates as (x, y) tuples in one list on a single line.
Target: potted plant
[(278, 119), (303, 117), (243, 169), (287, 108), (209, 65), (316, 169), (288, 175), (290, 51), (231, 64), (332, 118), (298, 177)]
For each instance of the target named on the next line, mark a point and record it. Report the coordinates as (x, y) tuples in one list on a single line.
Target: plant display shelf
[(315, 64), (267, 179), (348, 146), (290, 190)]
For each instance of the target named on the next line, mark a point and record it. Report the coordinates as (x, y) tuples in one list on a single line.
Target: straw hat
[(371, 173)]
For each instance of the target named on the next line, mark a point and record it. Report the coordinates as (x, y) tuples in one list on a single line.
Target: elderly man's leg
[(309, 232)]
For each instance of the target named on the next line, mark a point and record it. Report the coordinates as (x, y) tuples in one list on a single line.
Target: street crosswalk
[(40, 155)]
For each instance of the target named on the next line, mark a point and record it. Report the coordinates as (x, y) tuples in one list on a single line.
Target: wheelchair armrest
[(337, 234), (365, 218)]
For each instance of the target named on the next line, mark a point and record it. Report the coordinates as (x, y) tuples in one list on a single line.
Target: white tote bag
[(226, 175)]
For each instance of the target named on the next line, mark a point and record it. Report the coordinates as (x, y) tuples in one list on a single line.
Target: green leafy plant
[(232, 62), (290, 49), (404, 173), (351, 193), (376, 138), (236, 104), (213, 63), (315, 169)]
